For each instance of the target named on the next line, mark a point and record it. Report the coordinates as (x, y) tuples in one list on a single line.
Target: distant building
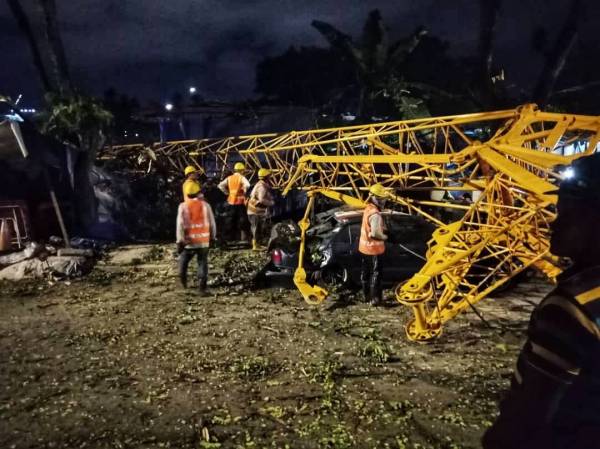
[(215, 119)]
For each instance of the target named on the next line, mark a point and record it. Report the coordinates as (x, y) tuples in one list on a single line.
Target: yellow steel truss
[(503, 232), (281, 152), (500, 233)]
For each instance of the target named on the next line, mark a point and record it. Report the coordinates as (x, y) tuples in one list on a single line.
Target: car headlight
[(325, 255)]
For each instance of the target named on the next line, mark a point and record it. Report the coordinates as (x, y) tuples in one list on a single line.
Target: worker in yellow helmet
[(195, 229), (261, 198), (235, 187), (371, 244), (192, 175)]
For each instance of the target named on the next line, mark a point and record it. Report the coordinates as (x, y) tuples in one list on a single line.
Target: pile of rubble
[(46, 261)]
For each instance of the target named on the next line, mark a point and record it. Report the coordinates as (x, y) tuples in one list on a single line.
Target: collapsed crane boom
[(281, 152), (503, 231), (504, 161)]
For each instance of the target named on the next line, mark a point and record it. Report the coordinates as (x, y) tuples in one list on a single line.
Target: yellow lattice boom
[(503, 231), (505, 161), (282, 152)]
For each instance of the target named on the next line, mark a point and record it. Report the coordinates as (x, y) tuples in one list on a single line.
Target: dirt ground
[(124, 358)]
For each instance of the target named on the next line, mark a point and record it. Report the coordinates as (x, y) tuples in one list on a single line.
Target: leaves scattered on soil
[(125, 358)]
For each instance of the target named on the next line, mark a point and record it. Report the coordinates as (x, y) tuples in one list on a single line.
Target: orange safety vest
[(236, 190), (254, 206), (197, 226), (368, 245)]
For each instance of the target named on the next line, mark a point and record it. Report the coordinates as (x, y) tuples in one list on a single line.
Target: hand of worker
[(180, 247)]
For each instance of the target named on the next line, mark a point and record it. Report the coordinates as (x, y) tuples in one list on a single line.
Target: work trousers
[(239, 222), (184, 260), (258, 224), (370, 277)]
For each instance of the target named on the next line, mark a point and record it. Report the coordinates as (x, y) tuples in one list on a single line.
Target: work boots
[(376, 295), (202, 292)]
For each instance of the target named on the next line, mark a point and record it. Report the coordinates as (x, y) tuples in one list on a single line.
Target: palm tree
[(373, 58), (557, 57)]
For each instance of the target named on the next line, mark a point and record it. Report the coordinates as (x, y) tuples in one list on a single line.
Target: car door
[(406, 246), (353, 261)]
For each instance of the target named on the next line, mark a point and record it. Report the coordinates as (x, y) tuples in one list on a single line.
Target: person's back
[(554, 400), (195, 228), (235, 187)]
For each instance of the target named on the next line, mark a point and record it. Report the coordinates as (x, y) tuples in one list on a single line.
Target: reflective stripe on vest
[(584, 287), (235, 189), (368, 245), (197, 226), (254, 206)]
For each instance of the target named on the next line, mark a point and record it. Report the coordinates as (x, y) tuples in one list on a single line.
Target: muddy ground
[(125, 359)]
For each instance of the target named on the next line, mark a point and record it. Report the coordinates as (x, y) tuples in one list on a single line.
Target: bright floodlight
[(169, 107), (192, 90), (568, 173)]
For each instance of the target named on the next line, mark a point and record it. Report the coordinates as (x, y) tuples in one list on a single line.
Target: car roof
[(356, 214)]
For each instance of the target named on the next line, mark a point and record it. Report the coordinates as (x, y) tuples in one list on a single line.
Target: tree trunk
[(56, 52), (85, 199), (489, 10), (25, 27), (557, 58)]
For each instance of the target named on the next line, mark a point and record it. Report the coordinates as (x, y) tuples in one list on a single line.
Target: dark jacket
[(554, 399)]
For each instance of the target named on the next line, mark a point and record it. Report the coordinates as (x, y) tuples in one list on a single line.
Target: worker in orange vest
[(372, 244), (235, 187), (259, 202), (195, 229), (192, 175)]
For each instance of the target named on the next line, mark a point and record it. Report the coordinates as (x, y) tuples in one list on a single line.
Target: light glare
[(568, 173)]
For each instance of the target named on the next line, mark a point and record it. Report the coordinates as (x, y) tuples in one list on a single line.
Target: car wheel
[(336, 277)]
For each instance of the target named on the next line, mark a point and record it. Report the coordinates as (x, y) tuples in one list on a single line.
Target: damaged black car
[(332, 255)]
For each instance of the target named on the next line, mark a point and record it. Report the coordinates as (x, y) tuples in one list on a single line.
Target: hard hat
[(189, 169), (263, 173), (239, 166), (581, 179), (191, 188), (378, 190)]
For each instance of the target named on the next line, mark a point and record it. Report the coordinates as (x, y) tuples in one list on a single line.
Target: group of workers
[(554, 397), (196, 226)]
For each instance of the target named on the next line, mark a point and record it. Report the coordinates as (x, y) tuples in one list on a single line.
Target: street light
[(169, 106), (192, 90)]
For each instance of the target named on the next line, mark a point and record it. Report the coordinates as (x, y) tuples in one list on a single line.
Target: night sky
[(153, 48)]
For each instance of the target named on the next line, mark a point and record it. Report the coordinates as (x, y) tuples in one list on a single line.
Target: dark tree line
[(416, 75)]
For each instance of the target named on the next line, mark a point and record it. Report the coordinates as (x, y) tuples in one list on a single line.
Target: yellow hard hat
[(191, 188), (263, 173), (189, 169), (239, 166), (378, 190)]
